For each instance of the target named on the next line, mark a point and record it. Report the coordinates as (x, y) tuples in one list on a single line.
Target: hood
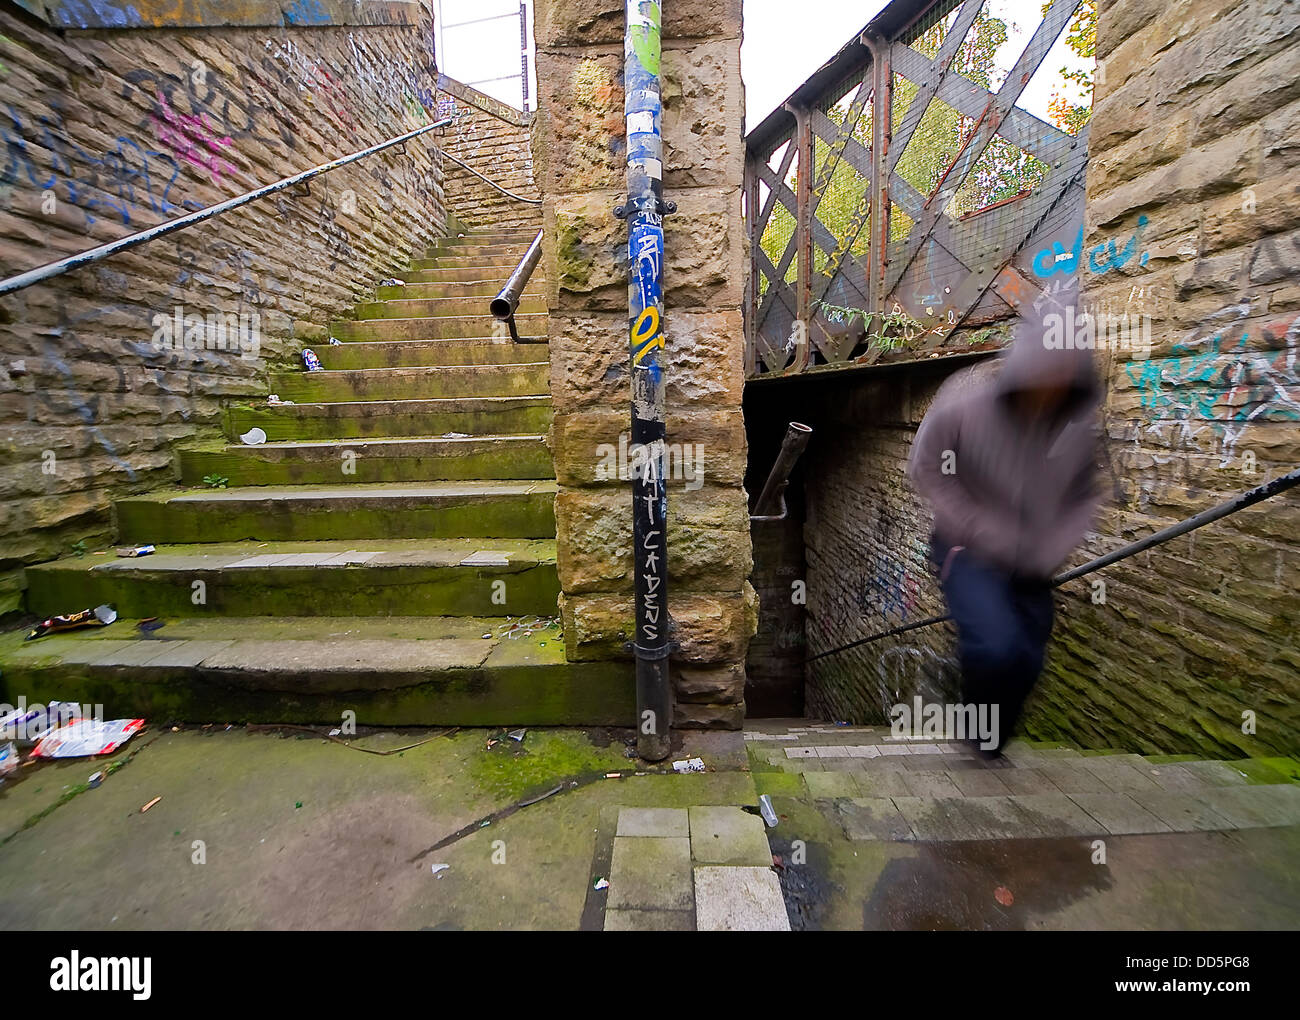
[(1030, 363)]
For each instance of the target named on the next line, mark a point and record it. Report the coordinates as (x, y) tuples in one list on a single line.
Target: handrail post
[(507, 300)]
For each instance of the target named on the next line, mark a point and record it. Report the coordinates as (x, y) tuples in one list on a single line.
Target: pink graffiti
[(188, 138)]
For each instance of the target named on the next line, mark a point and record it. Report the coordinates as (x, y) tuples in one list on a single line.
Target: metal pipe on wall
[(645, 248)]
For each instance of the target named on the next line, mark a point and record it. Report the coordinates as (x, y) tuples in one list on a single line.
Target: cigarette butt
[(150, 804)]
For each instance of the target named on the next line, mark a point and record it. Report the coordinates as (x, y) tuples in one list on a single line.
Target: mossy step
[(484, 290), (418, 353), (398, 671), (411, 307), (505, 236), (414, 383), (355, 578), (486, 276), (478, 249), (435, 416), (447, 327), (504, 264), (471, 509), (415, 459)]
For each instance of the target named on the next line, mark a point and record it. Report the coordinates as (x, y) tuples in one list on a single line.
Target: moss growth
[(509, 771)]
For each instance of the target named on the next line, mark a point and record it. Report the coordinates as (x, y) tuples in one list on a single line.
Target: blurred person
[(1006, 457)]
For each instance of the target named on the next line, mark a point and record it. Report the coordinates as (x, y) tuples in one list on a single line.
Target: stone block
[(588, 22), (594, 529), (728, 835), (739, 899), (650, 873), (703, 358)]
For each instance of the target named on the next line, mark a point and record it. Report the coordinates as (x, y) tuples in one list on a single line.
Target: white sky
[(784, 43)]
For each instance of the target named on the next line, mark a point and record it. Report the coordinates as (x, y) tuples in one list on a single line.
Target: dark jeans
[(1003, 624)]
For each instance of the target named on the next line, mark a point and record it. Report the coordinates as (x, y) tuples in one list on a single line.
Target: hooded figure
[(1008, 465)]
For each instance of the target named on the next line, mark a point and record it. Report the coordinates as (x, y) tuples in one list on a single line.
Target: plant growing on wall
[(892, 330)]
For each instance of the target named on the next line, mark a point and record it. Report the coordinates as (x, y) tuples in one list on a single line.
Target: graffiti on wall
[(1102, 259), (1215, 377)]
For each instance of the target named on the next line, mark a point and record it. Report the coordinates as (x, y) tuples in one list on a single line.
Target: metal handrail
[(508, 194), (1241, 501), (504, 304), (85, 258)]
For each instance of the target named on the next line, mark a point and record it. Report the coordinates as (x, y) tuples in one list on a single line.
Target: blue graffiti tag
[(1102, 259)]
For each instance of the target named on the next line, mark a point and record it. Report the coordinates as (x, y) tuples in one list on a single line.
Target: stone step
[(396, 671), (434, 416), (490, 277), (413, 383), (415, 459), (451, 327), (416, 353), (386, 577), (481, 290), (509, 235), (503, 265), (478, 248), (471, 509), (408, 307)]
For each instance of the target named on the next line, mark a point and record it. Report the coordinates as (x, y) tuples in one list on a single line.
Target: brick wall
[(1194, 151), (865, 537), (107, 132), (494, 139), (579, 146)]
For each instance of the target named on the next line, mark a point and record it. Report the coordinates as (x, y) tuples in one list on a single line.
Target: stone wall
[(1192, 647), (494, 139), (107, 132), (1195, 138), (580, 157)]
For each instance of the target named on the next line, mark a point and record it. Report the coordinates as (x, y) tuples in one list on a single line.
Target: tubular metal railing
[(122, 244), (1268, 490), (504, 304)]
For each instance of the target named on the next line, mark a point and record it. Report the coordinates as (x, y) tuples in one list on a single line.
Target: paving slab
[(1215, 773), (1175, 778), (941, 819), (979, 783), (881, 784), (930, 784), (873, 818), (1122, 777), (1183, 812), (650, 873), (1072, 779), (829, 785), (1027, 781), (1253, 806), (1055, 814), (739, 899), (728, 835), (654, 822), (1119, 813), (649, 920)]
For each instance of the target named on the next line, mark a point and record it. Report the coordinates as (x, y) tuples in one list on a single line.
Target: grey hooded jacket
[(1016, 491)]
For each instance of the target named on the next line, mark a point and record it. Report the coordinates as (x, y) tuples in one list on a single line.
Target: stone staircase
[(390, 550)]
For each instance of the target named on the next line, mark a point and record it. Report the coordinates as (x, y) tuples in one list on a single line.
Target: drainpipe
[(644, 212)]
